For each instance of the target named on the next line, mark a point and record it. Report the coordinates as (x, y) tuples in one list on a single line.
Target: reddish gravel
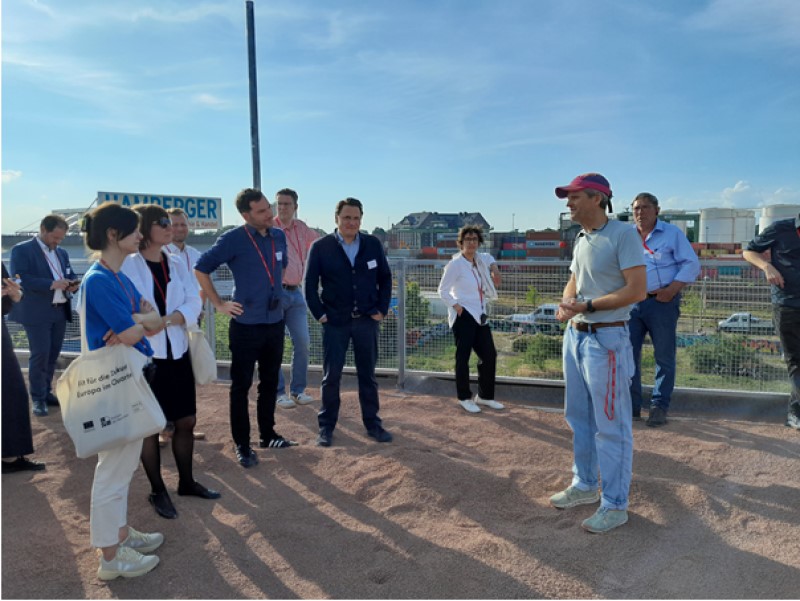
[(456, 507)]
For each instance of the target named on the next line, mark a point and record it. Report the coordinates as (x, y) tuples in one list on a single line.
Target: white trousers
[(112, 479)]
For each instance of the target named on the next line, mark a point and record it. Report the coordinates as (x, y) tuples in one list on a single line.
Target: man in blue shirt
[(671, 264), (256, 255), (782, 270), (356, 283)]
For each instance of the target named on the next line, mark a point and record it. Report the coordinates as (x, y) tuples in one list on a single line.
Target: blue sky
[(445, 105)]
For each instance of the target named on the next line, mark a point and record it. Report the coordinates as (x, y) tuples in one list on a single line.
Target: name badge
[(372, 264), (279, 255)]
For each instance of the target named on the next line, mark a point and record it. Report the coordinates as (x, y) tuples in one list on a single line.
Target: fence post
[(211, 327), (401, 323)]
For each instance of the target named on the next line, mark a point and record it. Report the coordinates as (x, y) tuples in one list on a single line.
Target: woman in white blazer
[(163, 280)]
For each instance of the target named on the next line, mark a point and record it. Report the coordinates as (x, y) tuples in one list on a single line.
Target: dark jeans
[(250, 343), (787, 322), (44, 339), (473, 337), (363, 331), (661, 321)]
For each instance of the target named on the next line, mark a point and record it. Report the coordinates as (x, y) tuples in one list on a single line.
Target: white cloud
[(210, 101), (10, 175), (764, 22), (740, 195)]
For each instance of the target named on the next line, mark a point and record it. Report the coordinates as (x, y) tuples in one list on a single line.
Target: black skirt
[(17, 436), (174, 388)]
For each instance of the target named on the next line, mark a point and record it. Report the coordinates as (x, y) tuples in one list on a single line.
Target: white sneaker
[(126, 563), (302, 398), (142, 542), (469, 406), (285, 402), (492, 404)]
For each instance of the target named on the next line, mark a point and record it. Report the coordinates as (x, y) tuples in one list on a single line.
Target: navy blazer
[(28, 260), (365, 287)]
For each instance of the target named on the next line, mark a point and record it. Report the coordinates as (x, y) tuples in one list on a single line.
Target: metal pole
[(400, 274), (251, 61)]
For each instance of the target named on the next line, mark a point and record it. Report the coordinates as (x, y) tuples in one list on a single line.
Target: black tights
[(182, 448)]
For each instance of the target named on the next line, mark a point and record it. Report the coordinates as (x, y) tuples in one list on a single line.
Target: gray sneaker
[(284, 402), (142, 542), (572, 497), (605, 519)]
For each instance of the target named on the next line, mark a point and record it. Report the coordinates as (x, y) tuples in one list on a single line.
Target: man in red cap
[(608, 277)]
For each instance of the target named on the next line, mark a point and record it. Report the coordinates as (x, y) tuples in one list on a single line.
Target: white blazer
[(183, 295)]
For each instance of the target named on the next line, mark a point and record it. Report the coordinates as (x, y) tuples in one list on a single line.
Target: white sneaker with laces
[(491, 403), (143, 542), (302, 398), (469, 406), (285, 402), (127, 563)]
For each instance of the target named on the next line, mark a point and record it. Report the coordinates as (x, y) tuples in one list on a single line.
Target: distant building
[(418, 230)]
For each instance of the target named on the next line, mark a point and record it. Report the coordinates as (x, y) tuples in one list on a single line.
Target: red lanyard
[(166, 279), (127, 293), (478, 282), (263, 262), (56, 269)]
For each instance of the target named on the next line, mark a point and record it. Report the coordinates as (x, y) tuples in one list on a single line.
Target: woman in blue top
[(116, 314)]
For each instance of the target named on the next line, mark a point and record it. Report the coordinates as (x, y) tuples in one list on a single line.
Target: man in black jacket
[(356, 287)]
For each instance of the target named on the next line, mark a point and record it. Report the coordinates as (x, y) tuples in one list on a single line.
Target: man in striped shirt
[(299, 238)]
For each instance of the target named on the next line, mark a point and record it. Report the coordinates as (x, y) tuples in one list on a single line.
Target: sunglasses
[(163, 222)]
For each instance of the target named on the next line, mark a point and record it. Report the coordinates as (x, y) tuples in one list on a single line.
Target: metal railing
[(740, 355)]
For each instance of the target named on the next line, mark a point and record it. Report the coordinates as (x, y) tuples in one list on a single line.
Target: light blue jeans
[(598, 367), (295, 314)]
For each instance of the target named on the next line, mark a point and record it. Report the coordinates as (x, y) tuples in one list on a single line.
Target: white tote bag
[(105, 399), (204, 365)]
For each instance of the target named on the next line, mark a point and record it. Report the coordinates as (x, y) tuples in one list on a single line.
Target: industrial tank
[(726, 226), (773, 213)]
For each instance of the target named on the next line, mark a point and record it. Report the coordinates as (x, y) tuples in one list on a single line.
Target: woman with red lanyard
[(164, 280), (116, 314), (466, 287)]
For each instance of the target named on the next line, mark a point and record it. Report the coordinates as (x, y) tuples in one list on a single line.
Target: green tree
[(417, 307), (532, 297)]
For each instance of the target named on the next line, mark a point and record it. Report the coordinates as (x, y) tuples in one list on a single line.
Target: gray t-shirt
[(598, 260)]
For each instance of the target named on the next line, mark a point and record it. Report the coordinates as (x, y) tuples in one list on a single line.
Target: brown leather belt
[(290, 287), (591, 327)]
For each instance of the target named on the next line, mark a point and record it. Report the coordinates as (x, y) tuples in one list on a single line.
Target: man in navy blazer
[(48, 281), (356, 283)]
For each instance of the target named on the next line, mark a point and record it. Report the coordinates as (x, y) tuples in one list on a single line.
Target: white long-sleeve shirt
[(461, 285), (183, 295)]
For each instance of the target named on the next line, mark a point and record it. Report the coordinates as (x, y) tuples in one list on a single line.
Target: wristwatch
[(589, 306)]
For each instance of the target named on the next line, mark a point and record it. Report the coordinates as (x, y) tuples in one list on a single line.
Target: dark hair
[(651, 198), (469, 229), (349, 202), (108, 216), (245, 197), (147, 215), (51, 222), (287, 192)]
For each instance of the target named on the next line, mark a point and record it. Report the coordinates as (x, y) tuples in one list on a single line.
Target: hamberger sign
[(204, 213)]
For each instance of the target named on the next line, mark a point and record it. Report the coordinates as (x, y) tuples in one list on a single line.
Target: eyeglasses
[(471, 239), (163, 222)]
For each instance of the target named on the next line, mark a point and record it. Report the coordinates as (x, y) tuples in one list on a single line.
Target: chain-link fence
[(726, 337)]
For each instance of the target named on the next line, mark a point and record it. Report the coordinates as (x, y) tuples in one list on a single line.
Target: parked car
[(543, 318), (746, 323)]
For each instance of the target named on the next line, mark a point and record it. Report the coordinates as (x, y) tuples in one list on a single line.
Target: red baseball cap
[(592, 181)]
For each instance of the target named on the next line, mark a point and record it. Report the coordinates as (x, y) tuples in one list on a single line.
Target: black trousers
[(470, 336), (787, 321), (251, 343)]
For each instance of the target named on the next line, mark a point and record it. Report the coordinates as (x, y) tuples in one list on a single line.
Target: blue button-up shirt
[(351, 250), (257, 292), (669, 256)]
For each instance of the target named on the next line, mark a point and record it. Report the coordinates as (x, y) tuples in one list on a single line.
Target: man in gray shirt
[(608, 277)]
